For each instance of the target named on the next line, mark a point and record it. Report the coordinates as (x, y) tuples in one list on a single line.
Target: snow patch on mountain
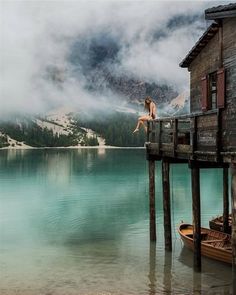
[(91, 134), (14, 144), (61, 121), (180, 100)]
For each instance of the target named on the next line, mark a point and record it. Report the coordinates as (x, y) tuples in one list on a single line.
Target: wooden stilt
[(226, 200), (195, 173), (166, 204), (152, 200), (152, 269), (233, 234)]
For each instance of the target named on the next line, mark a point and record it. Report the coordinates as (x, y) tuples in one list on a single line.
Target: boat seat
[(212, 241)]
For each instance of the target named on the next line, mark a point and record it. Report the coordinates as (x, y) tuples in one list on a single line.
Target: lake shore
[(70, 147)]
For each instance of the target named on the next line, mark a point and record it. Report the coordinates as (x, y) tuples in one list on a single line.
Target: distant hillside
[(64, 128), (95, 60)]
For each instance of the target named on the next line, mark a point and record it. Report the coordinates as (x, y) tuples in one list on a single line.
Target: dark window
[(212, 92)]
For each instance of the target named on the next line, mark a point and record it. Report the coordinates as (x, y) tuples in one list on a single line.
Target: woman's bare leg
[(138, 125), (141, 121)]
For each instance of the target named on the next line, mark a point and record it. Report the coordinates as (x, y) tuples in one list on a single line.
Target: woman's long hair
[(147, 102)]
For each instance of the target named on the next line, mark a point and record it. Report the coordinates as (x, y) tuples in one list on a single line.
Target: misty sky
[(37, 38)]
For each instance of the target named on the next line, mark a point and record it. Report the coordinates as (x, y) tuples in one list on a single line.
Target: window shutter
[(204, 94), (221, 88)]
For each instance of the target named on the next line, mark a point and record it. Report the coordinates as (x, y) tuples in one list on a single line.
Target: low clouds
[(37, 38)]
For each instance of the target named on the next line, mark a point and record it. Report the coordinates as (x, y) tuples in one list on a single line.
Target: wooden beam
[(226, 200), (148, 131), (175, 137), (207, 165), (159, 131), (153, 157), (193, 136), (233, 234), (195, 175), (166, 204), (152, 209), (175, 160), (218, 136), (221, 45)]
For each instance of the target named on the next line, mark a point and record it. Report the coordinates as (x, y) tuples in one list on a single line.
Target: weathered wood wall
[(206, 133), (229, 63), (207, 61)]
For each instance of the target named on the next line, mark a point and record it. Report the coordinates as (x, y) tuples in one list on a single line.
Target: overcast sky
[(39, 34)]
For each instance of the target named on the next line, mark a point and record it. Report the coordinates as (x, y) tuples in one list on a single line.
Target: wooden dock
[(206, 137)]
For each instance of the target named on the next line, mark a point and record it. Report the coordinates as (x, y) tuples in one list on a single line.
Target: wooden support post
[(233, 234), (166, 204), (148, 131), (193, 139), (175, 137), (195, 174), (226, 200), (159, 136), (218, 136), (152, 200), (152, 133)]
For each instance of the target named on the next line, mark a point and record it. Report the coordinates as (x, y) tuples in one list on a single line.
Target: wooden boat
[(214, 244), (217, 223)]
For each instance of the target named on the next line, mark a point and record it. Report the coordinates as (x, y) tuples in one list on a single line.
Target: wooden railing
[(190, 136)]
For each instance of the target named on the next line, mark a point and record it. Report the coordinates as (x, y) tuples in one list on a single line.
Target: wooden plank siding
[(229, 63), (192, 137), (207, 61), (206, 133)]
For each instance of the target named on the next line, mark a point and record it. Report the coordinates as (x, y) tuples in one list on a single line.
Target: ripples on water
[(76, 222)]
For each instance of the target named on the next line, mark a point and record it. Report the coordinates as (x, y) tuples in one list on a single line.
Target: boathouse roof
[(201, 43), (221, 11), (214, 13)]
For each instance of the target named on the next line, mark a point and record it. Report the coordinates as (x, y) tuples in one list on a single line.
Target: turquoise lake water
[(77, 222)]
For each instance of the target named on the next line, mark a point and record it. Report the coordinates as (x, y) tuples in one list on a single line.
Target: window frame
[(207, 103)]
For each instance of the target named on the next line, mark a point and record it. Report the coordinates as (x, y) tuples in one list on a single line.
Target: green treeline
[(33, 135), (3, 141), (116, 129)]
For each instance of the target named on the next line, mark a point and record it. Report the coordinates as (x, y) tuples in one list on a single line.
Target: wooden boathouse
[(205, 138)]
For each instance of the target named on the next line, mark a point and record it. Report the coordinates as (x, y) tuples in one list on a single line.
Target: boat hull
[(215, 245)]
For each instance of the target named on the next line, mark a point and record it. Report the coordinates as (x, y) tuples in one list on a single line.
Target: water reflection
[(66, 197), (77, 222), (167, 279), (152, 269), (234, 282), (214, 276), (197, 283), (160, 272)]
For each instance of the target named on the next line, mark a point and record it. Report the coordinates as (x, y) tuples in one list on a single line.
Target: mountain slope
[(63, 127)]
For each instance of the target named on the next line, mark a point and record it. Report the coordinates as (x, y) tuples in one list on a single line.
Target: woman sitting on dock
[(151, 107)]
